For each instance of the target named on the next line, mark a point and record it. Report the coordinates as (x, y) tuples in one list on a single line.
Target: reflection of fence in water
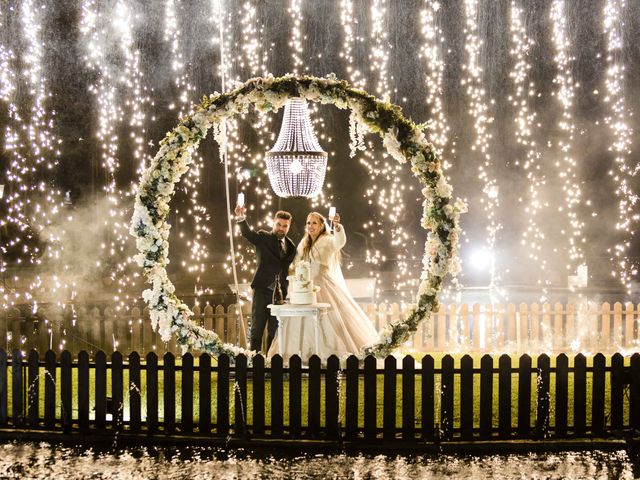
[(455, 328)]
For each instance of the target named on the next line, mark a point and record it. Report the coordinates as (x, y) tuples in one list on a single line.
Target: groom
[(274, 253)]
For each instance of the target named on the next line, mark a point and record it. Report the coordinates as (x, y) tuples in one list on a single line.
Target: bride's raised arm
[(339, 235)]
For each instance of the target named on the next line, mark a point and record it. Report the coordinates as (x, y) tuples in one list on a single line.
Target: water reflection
[(43, 460)]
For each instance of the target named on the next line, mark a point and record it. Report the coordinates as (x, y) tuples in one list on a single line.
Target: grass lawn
[(380, 399)]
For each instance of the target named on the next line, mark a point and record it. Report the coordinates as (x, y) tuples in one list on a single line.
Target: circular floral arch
[(402, 139)]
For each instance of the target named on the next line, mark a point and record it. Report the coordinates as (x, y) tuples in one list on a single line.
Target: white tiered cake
[(301, 289)]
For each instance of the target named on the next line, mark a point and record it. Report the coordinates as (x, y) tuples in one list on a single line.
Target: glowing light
[(482, 119), (568, 166), (621, 133), (522, 101)]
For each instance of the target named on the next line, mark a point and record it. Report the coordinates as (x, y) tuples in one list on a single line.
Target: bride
[(346, 329)]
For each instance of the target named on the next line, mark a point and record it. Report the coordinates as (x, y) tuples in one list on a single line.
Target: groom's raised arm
[(245, 229), (248, 232)]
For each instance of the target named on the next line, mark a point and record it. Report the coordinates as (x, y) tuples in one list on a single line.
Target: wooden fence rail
[(503, 328), (501, 398)]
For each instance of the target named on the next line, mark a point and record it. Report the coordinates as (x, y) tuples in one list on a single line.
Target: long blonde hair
[(308, 242)]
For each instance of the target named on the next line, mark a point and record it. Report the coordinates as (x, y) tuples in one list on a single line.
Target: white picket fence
[(497, 328)]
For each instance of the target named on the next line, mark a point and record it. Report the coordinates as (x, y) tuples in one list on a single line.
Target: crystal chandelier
[(296, 164)]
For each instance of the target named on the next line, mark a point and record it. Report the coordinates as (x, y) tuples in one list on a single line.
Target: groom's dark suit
[(271, 261)]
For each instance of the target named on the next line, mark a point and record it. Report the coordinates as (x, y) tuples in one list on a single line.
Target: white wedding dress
[(346, 329)]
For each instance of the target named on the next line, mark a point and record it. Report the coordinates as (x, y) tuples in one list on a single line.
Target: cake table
[(286, 311)]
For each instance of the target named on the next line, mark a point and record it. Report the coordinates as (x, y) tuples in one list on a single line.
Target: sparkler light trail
[(621, 134), (193, 222), (33, 204), (111, 52), (132, 56), (526, 128), (482, 119), (432, 52), (567, 166)]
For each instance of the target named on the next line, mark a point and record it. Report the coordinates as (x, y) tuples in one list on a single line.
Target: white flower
[(443, 189), (391, 143), (461, 206), (165, 188)]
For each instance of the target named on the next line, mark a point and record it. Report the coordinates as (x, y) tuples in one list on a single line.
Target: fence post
[(501, 328), (277, 396), (33, 389), (605, 334), (617, 391), (258, 395), (219, 322), (466, 397), (628, 325), (16, 326), (295, 395), (370, 397), (617, 324), (440, 329), (408, 398), (389, 398), (4, 343), (428, 398), (83, 391), (136, 332), (528, 328), (543, 400), (313, 401), (332, 397), (186, 413), (446, 403), (16, 386), (117, 395), (109, 330), (634, 390), (539, 327), (597, 401), (512, 341), (452, 328), (65, 390), (135, 385), (207, 318), (4, 394), (352, 402), (16, 383), (169, 397), (462, 327), (152, 393), (524, 396), (504, 396), (579, 394), (240, 396), (562, 394), (560, 321), (486, 396), (50, 389), (204, 383), (222, 396), (232, 323), (477, 312)]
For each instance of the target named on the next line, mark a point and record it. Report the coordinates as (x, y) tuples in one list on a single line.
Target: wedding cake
[(301, 289)]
